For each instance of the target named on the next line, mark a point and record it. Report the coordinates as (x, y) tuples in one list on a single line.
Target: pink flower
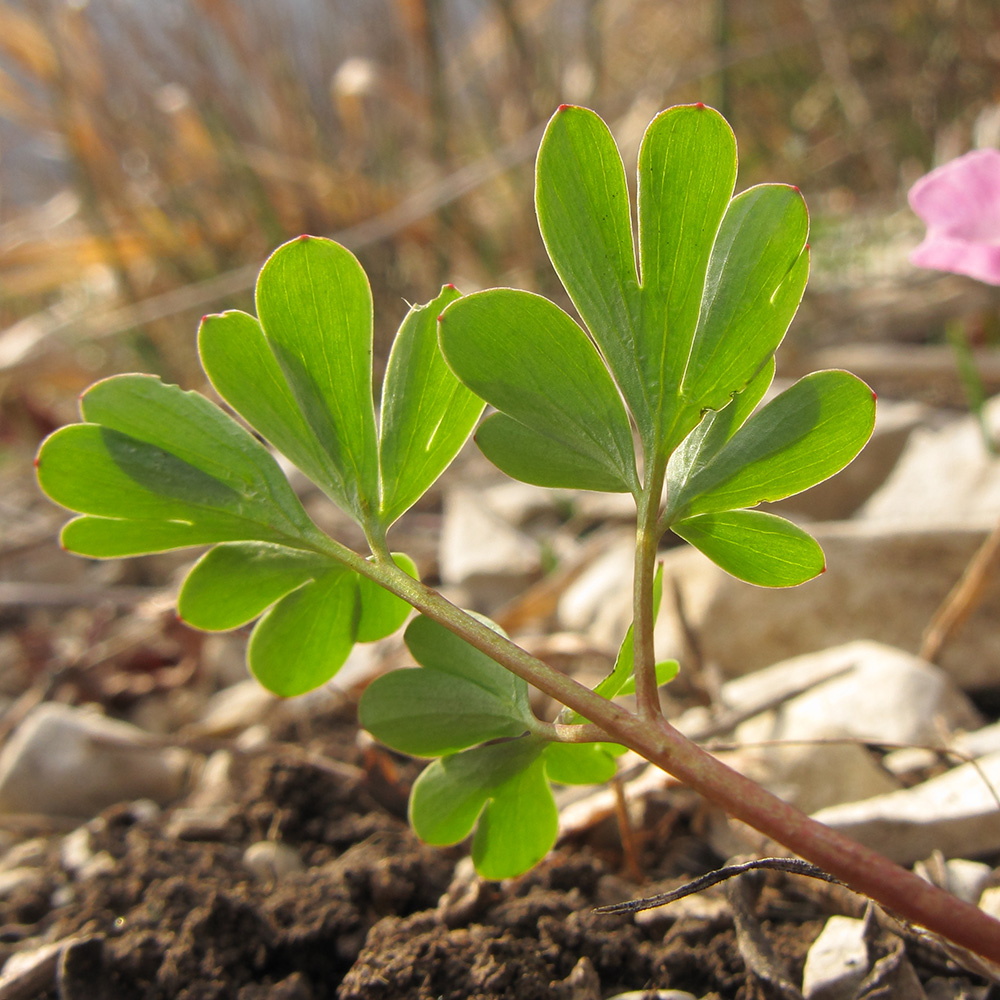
[(960, 203)]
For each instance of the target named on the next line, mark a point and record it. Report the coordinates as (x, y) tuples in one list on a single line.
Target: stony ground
[(278, 862)]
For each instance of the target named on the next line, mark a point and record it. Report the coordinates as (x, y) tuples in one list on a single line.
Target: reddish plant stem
[(864, 870)]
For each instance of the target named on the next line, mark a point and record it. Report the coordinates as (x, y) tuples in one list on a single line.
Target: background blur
[(153, 154)]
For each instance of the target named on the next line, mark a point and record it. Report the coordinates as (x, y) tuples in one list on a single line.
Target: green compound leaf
[(803, 436), (579, 763), (526, 357), (427, 414), (315, 307), (306, 637), (504, 786), (582, 203), (756, 547), (459, 698), (157, 468), (721, 276), (245, 373)]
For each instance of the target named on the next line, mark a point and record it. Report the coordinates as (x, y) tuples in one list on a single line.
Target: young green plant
[(657, 395)]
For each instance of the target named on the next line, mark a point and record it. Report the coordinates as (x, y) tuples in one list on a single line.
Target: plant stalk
[(864, 870), (647, 538)]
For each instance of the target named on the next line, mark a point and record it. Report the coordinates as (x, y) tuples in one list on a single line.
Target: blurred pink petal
[(960, 203)]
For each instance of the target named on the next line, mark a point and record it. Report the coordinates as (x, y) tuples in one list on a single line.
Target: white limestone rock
[(955, 813), (883, 582), (599, 601), (837, 961), (863, 692), (482, 553), (944, 475), (65, 761)]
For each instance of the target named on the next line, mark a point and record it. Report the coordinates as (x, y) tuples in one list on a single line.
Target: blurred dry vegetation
[(153, 154)]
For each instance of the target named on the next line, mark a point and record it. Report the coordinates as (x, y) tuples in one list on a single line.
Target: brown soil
[(370, 915)]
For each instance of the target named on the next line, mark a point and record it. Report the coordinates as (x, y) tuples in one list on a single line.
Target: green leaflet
[(266, 573), (427, 414), (524, 355), (754, 546), (318, 609), (210, 599), (438, 648), (803, 436), (243, 370), (305, 638), (315, 307), (525, 454), (687, 170), (155, 454), (459, 697), (582, 203), (579, 763), (504, 787), (756, 276), (427, 713)]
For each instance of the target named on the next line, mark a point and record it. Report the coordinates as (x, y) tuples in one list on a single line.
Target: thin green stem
[(643, 618)]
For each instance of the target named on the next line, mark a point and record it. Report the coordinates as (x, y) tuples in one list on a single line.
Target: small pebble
[(29, 853), (269, 859), (13, 879), (199, 822)]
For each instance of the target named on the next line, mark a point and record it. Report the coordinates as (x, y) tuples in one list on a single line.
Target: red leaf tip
[(563, 107), (304, 236), (440, 317), (700, 105), (807, 247), (874, 395), (35, 462), (450, 286), (795, 188), (823, 570)]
